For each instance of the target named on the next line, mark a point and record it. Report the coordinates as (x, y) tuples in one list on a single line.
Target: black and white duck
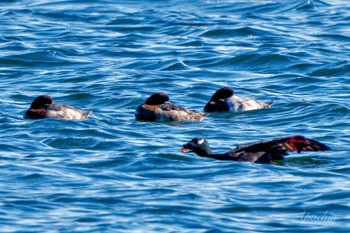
[(259, 152), (225, 99)]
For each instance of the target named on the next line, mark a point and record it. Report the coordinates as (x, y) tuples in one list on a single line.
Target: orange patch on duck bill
[(185, 150)]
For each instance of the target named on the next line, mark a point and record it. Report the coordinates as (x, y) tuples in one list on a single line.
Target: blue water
[(111, 173)]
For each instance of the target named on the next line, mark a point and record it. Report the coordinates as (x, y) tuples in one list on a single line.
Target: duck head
[(222, 94), (198, 145), (218, 102), (157, 98), (40, 101)]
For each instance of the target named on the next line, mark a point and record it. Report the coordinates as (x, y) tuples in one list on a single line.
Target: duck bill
[(185, 150)]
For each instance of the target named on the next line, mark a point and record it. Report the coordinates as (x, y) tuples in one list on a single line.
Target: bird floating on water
[(158, 108), (225, 99), (44, 107), (258, 152)]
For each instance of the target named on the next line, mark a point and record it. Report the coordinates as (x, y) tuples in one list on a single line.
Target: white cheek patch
[(200, 141)]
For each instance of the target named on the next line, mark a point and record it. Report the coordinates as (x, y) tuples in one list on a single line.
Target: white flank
[(238, 104)]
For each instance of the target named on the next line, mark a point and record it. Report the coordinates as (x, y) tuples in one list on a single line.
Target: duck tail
[(87, 114), (268, 104)]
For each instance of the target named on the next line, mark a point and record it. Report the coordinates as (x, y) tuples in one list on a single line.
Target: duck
[(264, 151), (43, 106), (225, 99), (158, 108)]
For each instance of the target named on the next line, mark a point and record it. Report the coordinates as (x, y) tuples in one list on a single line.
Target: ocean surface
[(111, 173)]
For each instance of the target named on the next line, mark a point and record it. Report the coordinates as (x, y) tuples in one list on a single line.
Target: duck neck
[(204, 152), (221, 156)]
